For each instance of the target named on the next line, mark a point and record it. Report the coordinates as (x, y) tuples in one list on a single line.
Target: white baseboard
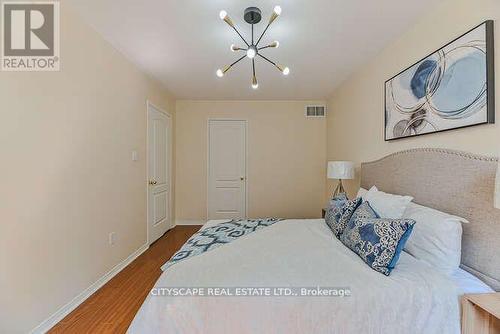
[(189, 222), (51, 321)]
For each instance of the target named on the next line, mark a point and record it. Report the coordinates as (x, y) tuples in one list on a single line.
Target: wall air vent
[(315, 111)]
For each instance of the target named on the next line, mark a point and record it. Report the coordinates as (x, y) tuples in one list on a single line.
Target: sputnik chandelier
[(252, 16)]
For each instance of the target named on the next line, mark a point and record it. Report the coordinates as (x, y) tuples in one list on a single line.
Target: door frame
[(150, 105), (245, 121)]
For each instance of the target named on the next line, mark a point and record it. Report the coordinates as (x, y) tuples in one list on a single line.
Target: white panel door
[(227, 169), (159, 153)]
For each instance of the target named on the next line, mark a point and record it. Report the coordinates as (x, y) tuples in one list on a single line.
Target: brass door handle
[(242, 178), (152, 183)]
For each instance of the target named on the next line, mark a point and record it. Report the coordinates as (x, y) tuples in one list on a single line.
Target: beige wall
[(67, 179), (356, 117), (286, 158), (66, 175)]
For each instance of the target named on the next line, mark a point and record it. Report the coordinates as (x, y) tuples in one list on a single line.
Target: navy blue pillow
[(378, 241)]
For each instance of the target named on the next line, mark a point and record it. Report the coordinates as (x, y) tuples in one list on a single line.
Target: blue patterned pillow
[(365, 211), (338, 200), (378, 241), (339, 213), (334, 210)]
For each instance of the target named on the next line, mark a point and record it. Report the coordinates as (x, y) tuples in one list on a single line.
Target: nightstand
[(323, 213), (481, 313)]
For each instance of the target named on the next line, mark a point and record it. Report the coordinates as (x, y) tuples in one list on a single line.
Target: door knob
[(152, 183), (242, 178)]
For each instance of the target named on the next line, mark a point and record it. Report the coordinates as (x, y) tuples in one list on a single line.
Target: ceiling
[(183, 43)]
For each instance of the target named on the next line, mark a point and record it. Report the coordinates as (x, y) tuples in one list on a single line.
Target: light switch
[(135, 156)]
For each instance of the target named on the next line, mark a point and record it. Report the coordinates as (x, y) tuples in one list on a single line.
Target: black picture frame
[(490, 82)]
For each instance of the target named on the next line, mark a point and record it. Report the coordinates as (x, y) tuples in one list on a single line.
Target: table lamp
[(340, 170)]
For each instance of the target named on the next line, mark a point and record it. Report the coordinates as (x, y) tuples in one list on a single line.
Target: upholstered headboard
[(455, 182)]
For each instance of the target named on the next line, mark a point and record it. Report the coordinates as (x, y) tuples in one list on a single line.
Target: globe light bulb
[(219, 73), (222, 14), (276, 44), (277, 10), (286, 71), (251, 52), (234, 48)]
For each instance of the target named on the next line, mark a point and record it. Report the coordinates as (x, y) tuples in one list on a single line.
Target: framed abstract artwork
[(451, 88)]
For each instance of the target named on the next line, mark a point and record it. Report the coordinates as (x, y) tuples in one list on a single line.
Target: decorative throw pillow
[(378, 241), (334, 210), (339, 200), (338, 218), (364, 211)]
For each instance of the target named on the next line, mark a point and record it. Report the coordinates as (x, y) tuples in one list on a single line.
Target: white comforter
[(300, 253)]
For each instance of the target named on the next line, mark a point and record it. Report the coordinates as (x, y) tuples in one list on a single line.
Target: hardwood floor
[(113, 307)]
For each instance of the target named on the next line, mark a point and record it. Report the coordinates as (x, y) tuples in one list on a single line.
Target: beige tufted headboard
[(455, 182)]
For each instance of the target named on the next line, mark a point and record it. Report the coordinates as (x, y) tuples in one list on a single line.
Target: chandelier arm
[(270, 61), (264, 47), (244, 40), (263, 33), (253, 66), (237, 48), (252, 33), (237, 61)]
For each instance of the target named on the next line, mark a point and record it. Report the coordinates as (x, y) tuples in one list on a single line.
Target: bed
[(304, 253)]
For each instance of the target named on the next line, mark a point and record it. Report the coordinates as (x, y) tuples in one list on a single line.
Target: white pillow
[(361, 193), (387, 205), (436, 237)]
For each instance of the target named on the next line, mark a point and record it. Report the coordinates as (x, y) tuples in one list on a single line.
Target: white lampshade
[(341, 170), (497, 187)]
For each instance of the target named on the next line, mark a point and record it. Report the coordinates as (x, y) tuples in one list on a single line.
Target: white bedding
[(301, 253), (468, 283)]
